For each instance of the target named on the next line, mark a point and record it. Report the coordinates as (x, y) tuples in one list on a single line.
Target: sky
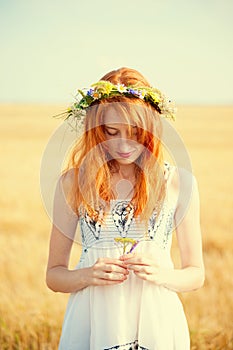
[(50, 48)]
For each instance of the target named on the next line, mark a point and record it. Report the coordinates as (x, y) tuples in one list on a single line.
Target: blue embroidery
[(122, 214), (129, 346)]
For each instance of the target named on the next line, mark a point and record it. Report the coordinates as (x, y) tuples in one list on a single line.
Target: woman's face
[(121, 139)]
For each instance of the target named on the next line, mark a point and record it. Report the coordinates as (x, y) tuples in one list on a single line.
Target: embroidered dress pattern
[(128, 346), (154, 222), (122, 214), (93, 224)]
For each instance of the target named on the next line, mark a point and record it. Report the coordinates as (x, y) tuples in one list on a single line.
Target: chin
[(125, 161)]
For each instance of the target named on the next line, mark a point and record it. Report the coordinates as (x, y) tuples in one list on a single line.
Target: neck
[(123, 181), (127, 171)]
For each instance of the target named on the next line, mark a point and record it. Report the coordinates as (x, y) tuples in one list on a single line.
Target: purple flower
[(133, 246), (90, 92), (134, 92)]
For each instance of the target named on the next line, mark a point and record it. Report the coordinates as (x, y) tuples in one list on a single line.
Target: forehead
[(115, 116)]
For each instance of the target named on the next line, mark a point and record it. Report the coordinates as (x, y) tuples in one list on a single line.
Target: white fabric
[(136, 314)]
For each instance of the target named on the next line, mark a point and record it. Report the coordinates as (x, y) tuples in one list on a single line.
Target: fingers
[(146, 277), (143, 267), (109, 271), (114, 276), (156, 277), (126, 257), (113, 261), (149, 270), (131, 259), (106, 278), (110, 265)]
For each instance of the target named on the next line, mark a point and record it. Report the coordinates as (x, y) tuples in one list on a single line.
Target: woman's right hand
[(107, 271)]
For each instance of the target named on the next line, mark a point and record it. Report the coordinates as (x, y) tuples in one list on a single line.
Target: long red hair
[(92, 168)]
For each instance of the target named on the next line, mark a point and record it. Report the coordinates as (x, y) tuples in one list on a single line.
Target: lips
[(124, 155)]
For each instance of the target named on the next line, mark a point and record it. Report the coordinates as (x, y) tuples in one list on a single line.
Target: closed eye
[(132, 133), (111, 133)]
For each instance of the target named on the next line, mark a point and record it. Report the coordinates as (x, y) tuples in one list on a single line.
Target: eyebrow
[(111, 127)]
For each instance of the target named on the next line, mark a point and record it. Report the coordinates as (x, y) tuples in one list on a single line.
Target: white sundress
[(135, 314)]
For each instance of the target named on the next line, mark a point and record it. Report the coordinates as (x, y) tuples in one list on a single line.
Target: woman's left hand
[(144, 268)]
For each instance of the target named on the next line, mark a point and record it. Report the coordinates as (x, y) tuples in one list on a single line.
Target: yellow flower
[(125, 242), (104, 87), (155, 97)]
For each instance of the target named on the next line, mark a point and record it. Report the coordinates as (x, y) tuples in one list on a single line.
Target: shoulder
[(182, 184), (181, 177), (65, 188), (66, 180)]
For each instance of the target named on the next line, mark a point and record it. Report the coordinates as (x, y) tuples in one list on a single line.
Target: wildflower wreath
[(105, 89)]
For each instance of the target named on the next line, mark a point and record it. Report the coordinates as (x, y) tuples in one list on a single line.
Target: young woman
[(128, 202)]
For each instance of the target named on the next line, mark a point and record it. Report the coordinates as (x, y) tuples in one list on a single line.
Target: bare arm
[(59, 278), (191, 274)]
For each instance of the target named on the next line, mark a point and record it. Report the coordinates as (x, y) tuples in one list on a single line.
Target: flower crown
[(105, 89)]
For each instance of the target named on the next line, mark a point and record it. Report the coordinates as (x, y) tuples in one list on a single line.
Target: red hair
[(92, 169)]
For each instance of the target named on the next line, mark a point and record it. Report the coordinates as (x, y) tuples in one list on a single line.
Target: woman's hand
[(107, 271), (144, 268), (178, 280)]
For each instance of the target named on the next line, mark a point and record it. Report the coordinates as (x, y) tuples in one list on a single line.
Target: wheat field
[(30, 314)]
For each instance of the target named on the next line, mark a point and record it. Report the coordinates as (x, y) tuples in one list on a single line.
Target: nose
[(125, 145)]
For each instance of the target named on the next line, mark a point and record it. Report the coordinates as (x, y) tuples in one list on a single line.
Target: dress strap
[(170, 174), (168, 171)]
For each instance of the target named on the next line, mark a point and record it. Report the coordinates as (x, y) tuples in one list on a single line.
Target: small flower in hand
[(124, 241)]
